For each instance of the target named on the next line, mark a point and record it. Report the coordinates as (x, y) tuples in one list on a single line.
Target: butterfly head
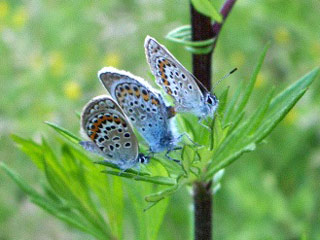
[(143, 159), (211, 103)]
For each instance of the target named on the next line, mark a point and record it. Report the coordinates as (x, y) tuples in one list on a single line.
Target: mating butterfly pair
[(107, 122)]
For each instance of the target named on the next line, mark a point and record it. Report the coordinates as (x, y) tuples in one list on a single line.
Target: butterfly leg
[(203, 125), (139, 169), (189, 138), (170, 158)]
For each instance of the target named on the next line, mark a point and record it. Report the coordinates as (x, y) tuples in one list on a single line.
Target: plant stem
[(202, 197), (202, 29), (202, 192)]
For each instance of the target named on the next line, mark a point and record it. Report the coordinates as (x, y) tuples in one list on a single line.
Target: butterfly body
[(110, 133), (144, 107), (186, 90)]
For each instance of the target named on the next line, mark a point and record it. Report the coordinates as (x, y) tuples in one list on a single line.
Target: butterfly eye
[(209, 100)]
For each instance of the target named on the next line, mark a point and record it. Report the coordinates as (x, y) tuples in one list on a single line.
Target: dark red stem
[(225, 10), (202, 29)]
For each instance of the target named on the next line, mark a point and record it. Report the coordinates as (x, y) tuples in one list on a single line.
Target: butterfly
[(144, 107), (187, 91), (110, 133)]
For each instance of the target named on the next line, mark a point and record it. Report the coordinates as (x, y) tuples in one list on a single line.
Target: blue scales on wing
[(144, 107)]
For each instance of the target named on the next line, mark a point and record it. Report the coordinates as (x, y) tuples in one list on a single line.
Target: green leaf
[(258, 116), (154, 216), (19, 181), (182, 35), (253, 79), (283, 103), (65, 133), (32, 149), (267, 116), (223, 101), (157, 179), (156, 197), (230, 107), (234, 155), (131, 170), (206, 8), (173, 169), (41, 201), (188, 156)]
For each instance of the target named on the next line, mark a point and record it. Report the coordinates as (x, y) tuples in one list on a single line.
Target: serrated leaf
[(131, 170), (283, 103), (72, 221), (155, 197), (240, 141), (19, 181), (230, 107), (32, 149), (64, 132), (173, 169), (156, 179), (223, 101), (260, 113), (248, 90), (187, 156), (229, 159), (46, 204), (57, 185), (206, 8), (153, 217)]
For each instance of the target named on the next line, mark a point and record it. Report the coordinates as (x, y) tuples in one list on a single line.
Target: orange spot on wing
[(109, 118), (98, 124), (137, 93), (155, 102), (146, 97), (93, 135)]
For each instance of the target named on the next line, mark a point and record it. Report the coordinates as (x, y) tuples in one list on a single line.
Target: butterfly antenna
[(224, 77)]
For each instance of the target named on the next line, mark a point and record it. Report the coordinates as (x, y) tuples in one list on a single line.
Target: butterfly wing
[(177, 81), (144, 107), (108, 128)]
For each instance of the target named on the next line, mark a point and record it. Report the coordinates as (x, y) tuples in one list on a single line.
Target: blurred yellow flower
[(282, 35), (315, 49), (57, 63), (238, 58), (72, 90), (291, 117), (112, 59), (4, 9), (20, 18), (261, 80), (36, 61)]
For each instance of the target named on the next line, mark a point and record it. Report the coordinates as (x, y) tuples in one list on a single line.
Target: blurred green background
[(50, 52)]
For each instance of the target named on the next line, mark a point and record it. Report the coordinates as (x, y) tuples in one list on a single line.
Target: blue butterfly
[(187, 91), (110, 133), (144, 107)]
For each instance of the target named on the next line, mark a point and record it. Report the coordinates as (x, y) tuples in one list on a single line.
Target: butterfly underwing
[(144, 107), (187, 91), (110, 133)]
